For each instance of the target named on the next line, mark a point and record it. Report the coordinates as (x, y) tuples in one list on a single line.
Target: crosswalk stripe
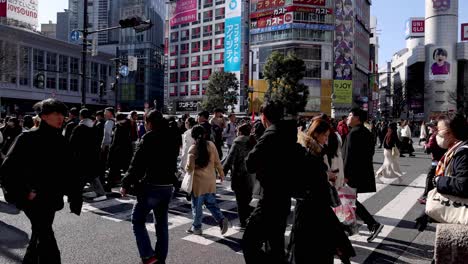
[(379, 186), (390, 215)]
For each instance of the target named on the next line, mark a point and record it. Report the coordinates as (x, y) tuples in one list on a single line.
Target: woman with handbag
[(391, 165), (203, 163), (451, 176), (314, 206), (151, 178)]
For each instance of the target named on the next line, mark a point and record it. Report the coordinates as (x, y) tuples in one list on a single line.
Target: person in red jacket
[(342, 128)]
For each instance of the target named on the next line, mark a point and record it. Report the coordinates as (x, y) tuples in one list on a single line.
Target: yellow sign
[(343, 91)]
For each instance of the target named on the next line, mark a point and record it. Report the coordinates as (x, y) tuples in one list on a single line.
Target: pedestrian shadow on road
[(8, 208), (12, 238)]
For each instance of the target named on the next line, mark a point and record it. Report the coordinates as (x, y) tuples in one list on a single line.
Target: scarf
[(444, 166)]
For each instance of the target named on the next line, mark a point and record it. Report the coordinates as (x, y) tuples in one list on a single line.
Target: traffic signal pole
[(84, 53)]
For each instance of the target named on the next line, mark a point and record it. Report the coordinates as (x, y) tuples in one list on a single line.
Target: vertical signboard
[(232, 39), (464, 32), (184, 11), (21, 10), (3, 8)]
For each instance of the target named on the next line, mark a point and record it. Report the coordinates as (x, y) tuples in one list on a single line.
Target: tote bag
[(187, 183), (447, 208)]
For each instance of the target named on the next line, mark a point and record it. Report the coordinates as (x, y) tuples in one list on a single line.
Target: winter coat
[(39, 160), (154, 160), (68, 130), (9, 136), (99, 125), (241, 180), (358, 152), (85, 148), (204, 179), (187, 142), (121, 150), (455, 182)]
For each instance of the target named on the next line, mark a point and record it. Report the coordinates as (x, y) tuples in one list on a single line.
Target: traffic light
[(130, 22), (39, 80)]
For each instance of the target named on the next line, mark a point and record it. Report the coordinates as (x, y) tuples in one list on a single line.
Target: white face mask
[(442, 142)]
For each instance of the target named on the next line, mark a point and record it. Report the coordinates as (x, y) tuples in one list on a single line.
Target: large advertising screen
[(440, 64), (184, 11), (21, 10)]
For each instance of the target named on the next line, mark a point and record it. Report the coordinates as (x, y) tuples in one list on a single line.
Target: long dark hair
[(203, 156), (391, 137)]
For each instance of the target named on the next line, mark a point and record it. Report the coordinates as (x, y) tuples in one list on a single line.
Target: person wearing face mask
[(451, 173)]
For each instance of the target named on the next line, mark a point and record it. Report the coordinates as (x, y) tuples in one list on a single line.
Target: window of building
[(195, 89), (172, 90), (174, 36), (219, 43), (207, 30), (195, 46), (94, 87), (184, 48), (313, 69), (207, 44), (184, 76), (74, 66), (195, 61), (51, 61), (174, 50), (195, 75), (219, 58), (38, 60), (103, 79), (74, 85), (219, 28), (198, 20), (208, 16), (206, 74), (219, 13), (25, 66), (63, 64), (184, 62), (207, 59), (63, 84), (185, 34), (204, 87), (195, 33), (183, 90), (173, 64), (208, 3), (219, 2), (51, 82), (173, 77)]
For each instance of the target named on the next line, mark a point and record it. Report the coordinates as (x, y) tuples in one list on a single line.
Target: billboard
[(464, 32), (21, 10), (283, 10), (310, 2), (343, 44), (441, 5), (273, 21), (184, 11), (440, 65), (343, 92), (415, 27), (232, 36)]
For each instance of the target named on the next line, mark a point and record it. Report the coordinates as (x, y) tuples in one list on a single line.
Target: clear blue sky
[(391, 19)]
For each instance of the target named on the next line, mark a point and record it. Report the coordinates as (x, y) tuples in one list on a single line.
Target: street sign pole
[(83, 53)]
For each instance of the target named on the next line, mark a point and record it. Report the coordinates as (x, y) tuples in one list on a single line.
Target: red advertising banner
[(283, 10), (184, 11), (417, 26), (273, 21), (267, 4), (310, 2), (3, 8)]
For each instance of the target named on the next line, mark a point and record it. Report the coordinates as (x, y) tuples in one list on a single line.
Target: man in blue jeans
[(151, 177)]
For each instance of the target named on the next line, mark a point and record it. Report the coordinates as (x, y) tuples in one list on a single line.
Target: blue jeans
[(155, 198), (209, 199)]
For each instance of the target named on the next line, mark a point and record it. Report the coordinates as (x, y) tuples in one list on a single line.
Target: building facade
[(29, 54), (196, 49), (64, 25)]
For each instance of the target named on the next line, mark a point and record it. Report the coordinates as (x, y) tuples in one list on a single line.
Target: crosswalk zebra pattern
[(390, 214)]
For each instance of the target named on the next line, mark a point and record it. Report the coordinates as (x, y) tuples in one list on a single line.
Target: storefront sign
[(343, 92), (184, 11), (284, 10), (189, 106)]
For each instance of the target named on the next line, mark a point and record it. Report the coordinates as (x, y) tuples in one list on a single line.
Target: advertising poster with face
[(440, 67), (343, 44)]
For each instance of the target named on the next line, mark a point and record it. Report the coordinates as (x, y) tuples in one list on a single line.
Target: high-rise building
[(197, 48), (49, 30), (64, 25)]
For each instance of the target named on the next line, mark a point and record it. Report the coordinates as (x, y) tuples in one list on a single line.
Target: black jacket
[(71, 124), (358, 153), (154, 160), (99, 125), (9, 136), (39, 160), (457, 183), (274, 160), (241, 179), (121, 150), (85, 148)]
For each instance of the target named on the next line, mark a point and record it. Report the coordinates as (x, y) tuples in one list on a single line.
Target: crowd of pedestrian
[(274, 158)]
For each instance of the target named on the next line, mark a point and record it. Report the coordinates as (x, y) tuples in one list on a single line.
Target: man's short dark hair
[(74, 111), (231, 114), (205, 114), (273, 111), (133, 113), (111, 109), (49, 106), (100, 113), (121, 117), (85, 113), (156, 119), (343, 117), (218, 110), (359, 113)]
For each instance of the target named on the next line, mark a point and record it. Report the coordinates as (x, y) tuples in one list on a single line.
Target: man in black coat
[(72, 122), (38, 188), (272, 159), (358, 152), (121, 150)]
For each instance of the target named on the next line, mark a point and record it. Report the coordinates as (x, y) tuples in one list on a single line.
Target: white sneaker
[(100, 198), (89, 195)]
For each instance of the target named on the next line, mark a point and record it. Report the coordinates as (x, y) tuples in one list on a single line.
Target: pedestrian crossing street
[(180, 219)]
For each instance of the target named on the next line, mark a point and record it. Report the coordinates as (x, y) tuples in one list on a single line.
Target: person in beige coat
[(203, 162)]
